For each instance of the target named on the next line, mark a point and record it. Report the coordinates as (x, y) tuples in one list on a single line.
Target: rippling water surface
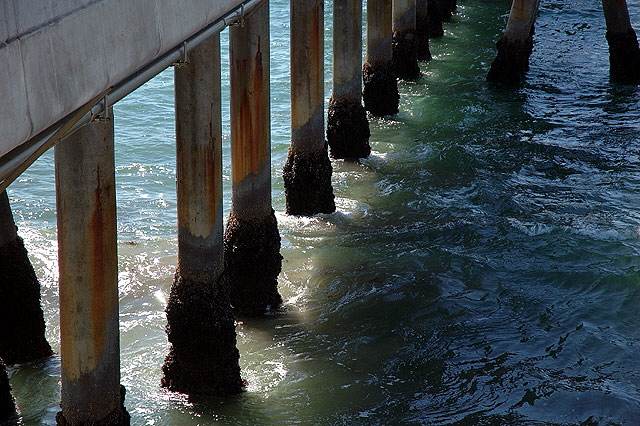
[(482, 267)]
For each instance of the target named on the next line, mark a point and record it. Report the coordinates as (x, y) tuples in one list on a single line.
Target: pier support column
[(380, 94), (347, 125), (88, 263), (21, 320), (7, 406), (307, 172), (422, 31), (405, 42), (516, 45), (251, 242), (438, 11), (624, 53), (203, 358)]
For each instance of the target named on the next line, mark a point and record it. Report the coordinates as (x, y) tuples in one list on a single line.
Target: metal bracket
[(182, 62), (104, 114), (238, 22)]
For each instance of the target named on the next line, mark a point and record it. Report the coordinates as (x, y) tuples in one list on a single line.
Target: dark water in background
[(482, 268)]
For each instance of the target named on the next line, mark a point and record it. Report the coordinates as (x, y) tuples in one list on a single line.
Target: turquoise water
[(482, 268)]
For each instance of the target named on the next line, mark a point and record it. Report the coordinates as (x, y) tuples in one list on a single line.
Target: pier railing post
[(624, 53), (405, 43), (89, 333), (203, 358), (307, 171), (347, 125), (515, 46), (252, 241), (22, 327), (7, 406), (380, 94)]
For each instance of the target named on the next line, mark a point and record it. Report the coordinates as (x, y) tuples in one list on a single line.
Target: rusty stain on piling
[(99, 301), (249, 148)]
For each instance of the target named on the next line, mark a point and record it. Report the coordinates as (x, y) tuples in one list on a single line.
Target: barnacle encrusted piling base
[(7, 406), (203, 358), (405, 55), (118, 417), (22, 326), (307, 183), (252, 263), (624, 56), (348, 129), (512, 62), (380, 95)]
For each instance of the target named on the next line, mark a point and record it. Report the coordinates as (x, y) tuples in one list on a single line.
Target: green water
[(482, 267)]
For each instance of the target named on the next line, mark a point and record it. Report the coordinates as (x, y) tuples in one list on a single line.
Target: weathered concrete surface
[(203, 358), (21, 320), (251, 241), (75, 41), (88, 281), (347, 124), (380, 94), (515, 46), (199, 163), (624, 53), (307, 171)]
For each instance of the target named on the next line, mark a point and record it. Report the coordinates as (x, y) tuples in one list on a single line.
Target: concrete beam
[(88, 264), (76, 41)]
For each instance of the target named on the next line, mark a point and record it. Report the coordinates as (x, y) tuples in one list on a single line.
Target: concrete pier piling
[(307, 171), (405, 43), (251, 242), (347, 126), (88, 264), (422, 31), (203, 358), (438, 11), (624, 53), (380, 94), (7, 406), (22, 327), (515, 46)]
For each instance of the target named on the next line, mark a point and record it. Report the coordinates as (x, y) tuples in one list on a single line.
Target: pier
[(221, 274)]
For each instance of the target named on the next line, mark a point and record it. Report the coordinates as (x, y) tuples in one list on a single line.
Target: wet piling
[(422, 31), (251, 242), (7, 405), (203, 358), (307, 171), (515, 46), (22, 328), (405, 42), (380, 93), (88, 282), (347, 124), (624, 53)]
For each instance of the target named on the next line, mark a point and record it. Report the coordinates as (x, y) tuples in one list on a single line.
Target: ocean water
[(482, 267)]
